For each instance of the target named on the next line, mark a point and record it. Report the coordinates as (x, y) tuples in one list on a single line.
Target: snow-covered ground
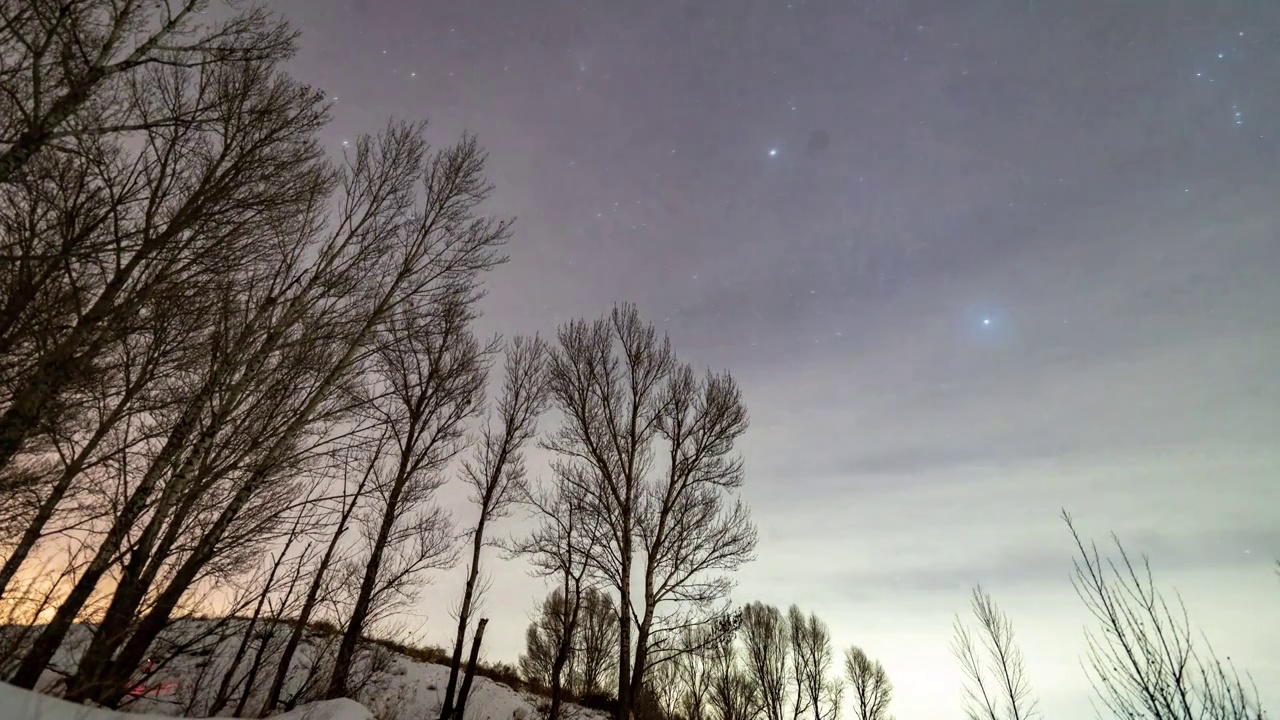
[(19, 704), (403, 688)]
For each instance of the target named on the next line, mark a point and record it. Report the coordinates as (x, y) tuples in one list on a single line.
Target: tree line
[(236, 372), (1144, 658)]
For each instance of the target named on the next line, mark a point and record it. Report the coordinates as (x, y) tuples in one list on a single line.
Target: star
[(773, 152), (986, 321)]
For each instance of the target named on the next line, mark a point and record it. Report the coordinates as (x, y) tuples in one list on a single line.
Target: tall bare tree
[(1143, 658), (156, 194), (996, 686), (496, 472), (650, 448), (192, 204), (595, 645), (870, 684), (766, 640), (816, 692), (384, 256), (434, 374), (543, 639)]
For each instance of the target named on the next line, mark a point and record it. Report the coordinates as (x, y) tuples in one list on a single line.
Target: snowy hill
[(22, 704), (401, 688)]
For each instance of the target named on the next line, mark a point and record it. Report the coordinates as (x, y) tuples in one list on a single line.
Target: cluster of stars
[(1237, 115)]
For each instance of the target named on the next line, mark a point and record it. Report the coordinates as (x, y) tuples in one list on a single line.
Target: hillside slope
[(185, 686)]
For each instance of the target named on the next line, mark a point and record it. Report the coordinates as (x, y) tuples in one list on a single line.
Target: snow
[(406, 690), (22, 704)]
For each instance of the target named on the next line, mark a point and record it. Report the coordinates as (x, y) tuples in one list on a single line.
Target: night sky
[(973, 261)]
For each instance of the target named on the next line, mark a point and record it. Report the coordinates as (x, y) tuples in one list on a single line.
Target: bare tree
[(591, 644), (226, 686), (178, 203), (385, 258), (131, 385), (75, 63), (472, 663), (361, 465), (695, 678), (543, 639), (733, 695), (497, 471), (812, 654), (627, 404), (1008, 696), (190, 207), (1142, 655), (663, 686), (596, 642), (871, 687), (766, 640), (560, 548), (434, 372)]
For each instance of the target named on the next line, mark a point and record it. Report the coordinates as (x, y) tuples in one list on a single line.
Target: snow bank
[(19, 704)]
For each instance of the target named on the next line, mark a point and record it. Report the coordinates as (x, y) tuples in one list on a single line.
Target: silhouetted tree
[(1007, 696), (595, 643), (766, 640), (733, 695), (1142, 655), (625, 403), (356, 468), (558, 548), (816, 691), (694, 676), (135, 109), (543, 639), (182, 219), (497, 471), (870, 684), (434, 374)]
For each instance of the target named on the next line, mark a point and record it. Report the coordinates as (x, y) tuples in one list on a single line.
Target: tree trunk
[(44, 513), (471, 670), (624, 632), (355, 625), (162, 610), (47, 643), (304, 613), (130, 591), (224, 688), (557, 683), (464, 617), (205, 550)]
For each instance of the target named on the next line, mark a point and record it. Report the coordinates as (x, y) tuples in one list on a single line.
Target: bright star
[(773, 152), (986, 321)]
